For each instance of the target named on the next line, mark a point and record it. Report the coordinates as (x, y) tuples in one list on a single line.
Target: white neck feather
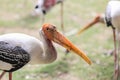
[(49, 52)]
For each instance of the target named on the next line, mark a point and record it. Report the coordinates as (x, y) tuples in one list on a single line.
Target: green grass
[(96, 42)]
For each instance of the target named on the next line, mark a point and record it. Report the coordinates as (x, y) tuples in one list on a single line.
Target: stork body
[(17, 49), (33, 46)]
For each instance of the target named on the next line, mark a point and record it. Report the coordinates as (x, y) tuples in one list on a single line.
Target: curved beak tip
[(90, 63)]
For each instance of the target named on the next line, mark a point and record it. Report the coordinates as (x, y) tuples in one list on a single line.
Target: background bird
[(111, 18), (17, 49), (44, 6)]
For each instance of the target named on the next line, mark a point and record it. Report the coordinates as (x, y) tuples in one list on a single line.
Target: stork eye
[(47, 29)]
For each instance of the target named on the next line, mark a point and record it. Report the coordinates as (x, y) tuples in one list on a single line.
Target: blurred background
[(97, 42)]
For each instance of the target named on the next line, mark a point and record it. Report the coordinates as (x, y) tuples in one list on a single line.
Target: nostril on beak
[(36, 6)]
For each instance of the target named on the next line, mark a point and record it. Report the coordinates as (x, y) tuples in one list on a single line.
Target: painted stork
[(44, 6), (100, 18), (17, 49)]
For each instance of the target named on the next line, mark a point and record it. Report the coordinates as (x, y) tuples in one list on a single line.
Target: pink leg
[(43, 18), (2, 74), (10, 75), (116, 61)]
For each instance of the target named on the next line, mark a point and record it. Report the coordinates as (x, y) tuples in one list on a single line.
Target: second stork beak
[(96, 20), (57, 37)]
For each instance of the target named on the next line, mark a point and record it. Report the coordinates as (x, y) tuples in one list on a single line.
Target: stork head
[(52, 34)]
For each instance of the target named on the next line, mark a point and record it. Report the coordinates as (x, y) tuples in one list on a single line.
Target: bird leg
[(116, 64), (42, 18), (3, 73), (118, 56), (10, 75)]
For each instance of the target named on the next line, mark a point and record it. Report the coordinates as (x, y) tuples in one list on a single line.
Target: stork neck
[(49, 52)]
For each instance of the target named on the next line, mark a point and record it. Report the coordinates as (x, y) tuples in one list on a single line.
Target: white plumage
[(113, 13), (30, 44)]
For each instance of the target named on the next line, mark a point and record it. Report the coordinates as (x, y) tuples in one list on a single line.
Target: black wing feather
[(16, 56)]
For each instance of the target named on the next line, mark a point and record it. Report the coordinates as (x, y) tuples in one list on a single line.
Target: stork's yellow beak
[(52, 34)]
